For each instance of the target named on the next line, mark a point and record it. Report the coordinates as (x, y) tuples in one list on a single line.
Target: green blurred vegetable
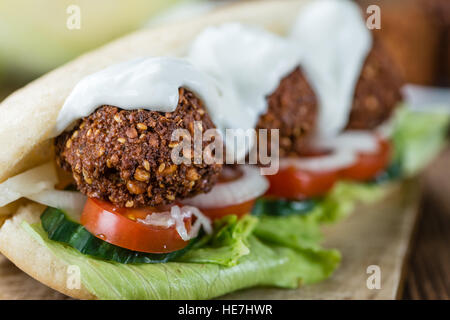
[(418, 137), (35, 37)]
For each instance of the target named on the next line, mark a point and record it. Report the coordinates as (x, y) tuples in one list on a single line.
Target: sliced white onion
[(29, 182), (344, 150), (72, 202), (202, 221), (179, 223), (176, 217), (159, 219), (335, 161), (351, 140), (250, 186)]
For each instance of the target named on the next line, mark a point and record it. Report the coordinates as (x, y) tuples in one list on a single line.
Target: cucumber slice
[(393, 172), (281, 207), (62, 229)]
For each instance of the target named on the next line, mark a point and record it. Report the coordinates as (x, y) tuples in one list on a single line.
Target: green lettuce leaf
[(265, 265), (299, 232), (341, 200), (418, 137), (226, 245)]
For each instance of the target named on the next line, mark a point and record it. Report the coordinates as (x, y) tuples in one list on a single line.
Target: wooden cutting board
[(374, 235)]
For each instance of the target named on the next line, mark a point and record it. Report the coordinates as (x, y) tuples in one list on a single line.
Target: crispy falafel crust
[(377, 92), (292, 108), (125, 156)]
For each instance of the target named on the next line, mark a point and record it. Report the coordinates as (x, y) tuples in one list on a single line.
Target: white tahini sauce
[(249, 61), (334, 44), (148, 83), (143, 83)]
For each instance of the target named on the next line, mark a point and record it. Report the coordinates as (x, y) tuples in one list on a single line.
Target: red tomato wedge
[(368, 165), (299, 184), (118, 226), (239, 210)]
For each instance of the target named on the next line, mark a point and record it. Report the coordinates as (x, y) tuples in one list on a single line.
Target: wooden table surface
[(428, 270)]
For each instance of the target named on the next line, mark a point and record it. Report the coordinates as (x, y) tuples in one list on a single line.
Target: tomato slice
[(118, 226), (239, 210), (299, 184), (294, 183), (369, 165)]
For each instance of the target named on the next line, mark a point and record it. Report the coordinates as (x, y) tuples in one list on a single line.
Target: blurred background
[(35, 38)]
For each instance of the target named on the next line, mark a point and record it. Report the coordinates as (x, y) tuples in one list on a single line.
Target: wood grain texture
[(428, 275), (15, 284), (375, 235)]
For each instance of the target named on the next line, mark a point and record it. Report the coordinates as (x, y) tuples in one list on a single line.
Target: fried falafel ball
[(292, 108), (377, 92), (125, 156)]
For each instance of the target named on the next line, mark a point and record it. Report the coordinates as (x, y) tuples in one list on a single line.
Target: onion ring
[(250, 186)]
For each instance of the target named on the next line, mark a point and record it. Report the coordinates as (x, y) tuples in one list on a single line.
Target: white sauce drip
[(335, 43), (249, 61)]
